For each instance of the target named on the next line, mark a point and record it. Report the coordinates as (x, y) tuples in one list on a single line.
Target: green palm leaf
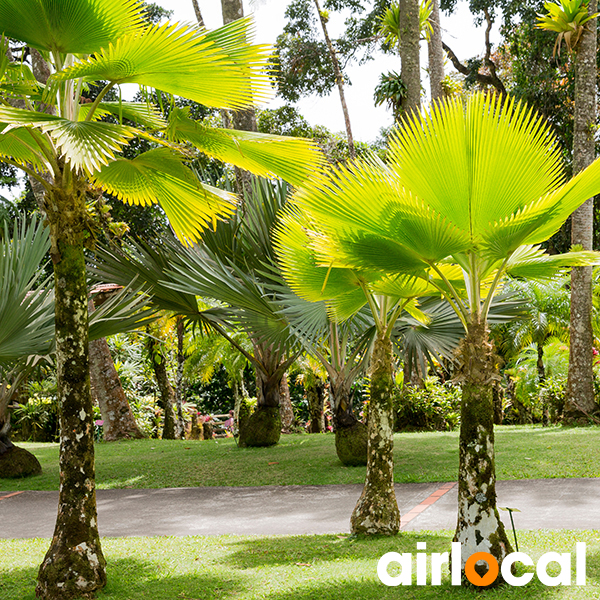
[(184, 61), (292, 159), (141, 113), (86, 145), (159, 176), (531, 262), (19, 146), (69, 26), (478, 165)]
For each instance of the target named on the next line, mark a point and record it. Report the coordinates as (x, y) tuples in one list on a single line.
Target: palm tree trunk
[(409, 54), (165, 390), (339, 79), (198, 13), (436, 54), (377, 509), (580, 388), (479, 528), (74, 564), (351, 436), (286, 410), (243, 120), (315, 396), (179, 382)]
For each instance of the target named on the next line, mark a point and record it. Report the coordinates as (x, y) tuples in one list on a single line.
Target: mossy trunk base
[(262, 428), (376, 512), (17, 462), (479, 528), (74, 566), (351, 444)]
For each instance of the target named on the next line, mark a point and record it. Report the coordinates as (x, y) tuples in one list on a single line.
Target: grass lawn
[(326, 567), (522, 452)]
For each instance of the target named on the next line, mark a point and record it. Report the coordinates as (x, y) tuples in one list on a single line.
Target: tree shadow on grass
[(132, 579), (285, 550)]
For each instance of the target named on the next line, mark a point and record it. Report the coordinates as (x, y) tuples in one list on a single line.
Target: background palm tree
[(469, 190), (62, 144), (575, 23)]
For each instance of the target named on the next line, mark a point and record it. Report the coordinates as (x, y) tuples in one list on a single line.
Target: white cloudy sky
[(459, 33)]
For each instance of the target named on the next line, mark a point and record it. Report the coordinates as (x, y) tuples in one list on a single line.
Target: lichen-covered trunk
[(580, 388), (315, 396), (479, 528), (436, 54), (377, 509), (409, 54), (165, 390), (74, 564), (118, 420)]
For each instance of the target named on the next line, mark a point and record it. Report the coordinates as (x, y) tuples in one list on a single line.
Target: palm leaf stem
[(39, 138), (372, 306), (454, 299), (394, 317), (109, 86), (499, 274), (474, 286)]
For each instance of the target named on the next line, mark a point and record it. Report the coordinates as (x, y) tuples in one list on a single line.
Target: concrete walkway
[(544, 504)]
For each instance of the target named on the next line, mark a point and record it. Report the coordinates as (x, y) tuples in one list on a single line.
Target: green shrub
[(436, 407)]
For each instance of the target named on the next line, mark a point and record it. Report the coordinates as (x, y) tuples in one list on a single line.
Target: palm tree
[(575, 23), (234, 265), (469, 191), (61, 143)]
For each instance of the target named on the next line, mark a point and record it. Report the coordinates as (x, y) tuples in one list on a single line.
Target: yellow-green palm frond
[(20, 147), (393, 230), (479, 164), (184, 61), (531, 262), (160, 176), (291, 159), (141, 113), (86, 145), (69, 26)]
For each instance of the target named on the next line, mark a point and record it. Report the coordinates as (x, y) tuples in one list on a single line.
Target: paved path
[(544, 503)]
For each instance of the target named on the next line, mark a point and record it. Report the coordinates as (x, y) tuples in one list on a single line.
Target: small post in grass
[(510, 512)]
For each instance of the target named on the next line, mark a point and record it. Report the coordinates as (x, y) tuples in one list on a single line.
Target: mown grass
[(325, 567), (522, 452)]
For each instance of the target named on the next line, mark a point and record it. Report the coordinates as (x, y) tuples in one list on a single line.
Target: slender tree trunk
[(315, 396), (580, 388), (351, 436), (436, 54), (74, 564), (339, 79), (179, 381), (285, 406), (165, 390), (409, 54), (479, 528), (198, 13), (377, 510), (245, 119)]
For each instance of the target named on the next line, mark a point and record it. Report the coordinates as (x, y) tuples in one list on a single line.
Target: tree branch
[(480, 77)]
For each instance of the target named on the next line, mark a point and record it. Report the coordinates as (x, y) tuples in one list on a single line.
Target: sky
[(458, 31)]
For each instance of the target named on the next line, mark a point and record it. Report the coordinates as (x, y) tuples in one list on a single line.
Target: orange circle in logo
[(474, 577)]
